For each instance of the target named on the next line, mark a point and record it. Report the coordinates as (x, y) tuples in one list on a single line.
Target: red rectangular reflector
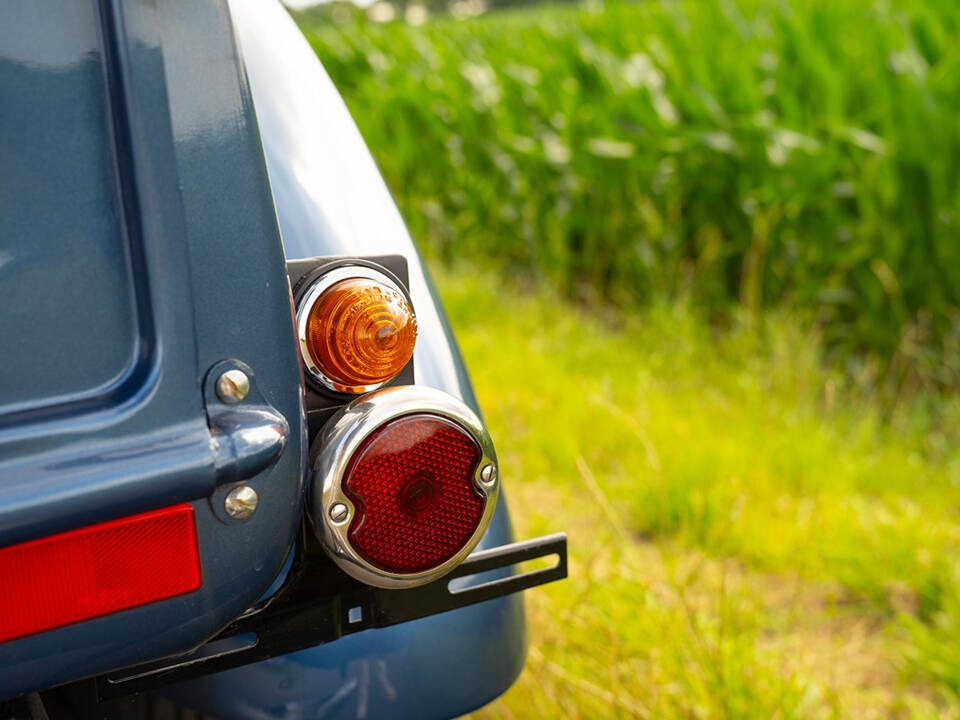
[(97, 570)]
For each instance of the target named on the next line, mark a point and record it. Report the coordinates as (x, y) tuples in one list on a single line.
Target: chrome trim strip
[(340, 438), (316, 288)]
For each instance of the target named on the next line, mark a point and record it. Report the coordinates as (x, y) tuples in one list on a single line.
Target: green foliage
[(752, 152), (750, 185)]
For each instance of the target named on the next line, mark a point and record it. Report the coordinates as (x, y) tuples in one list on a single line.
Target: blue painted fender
[(331, 200)]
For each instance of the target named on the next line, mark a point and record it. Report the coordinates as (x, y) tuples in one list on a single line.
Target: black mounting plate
[(322, 402)]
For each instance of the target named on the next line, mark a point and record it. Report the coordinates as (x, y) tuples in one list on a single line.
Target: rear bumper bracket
[(319, 604)]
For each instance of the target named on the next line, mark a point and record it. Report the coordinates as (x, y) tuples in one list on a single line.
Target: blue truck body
[(160, 163)]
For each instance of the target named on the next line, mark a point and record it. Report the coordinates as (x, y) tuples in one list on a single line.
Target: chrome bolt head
[(339, 512), (233, 386), (241, 502), (488, 474)]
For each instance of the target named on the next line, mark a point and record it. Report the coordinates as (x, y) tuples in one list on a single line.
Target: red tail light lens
[(97, 570), (412, 486), (404, 484)]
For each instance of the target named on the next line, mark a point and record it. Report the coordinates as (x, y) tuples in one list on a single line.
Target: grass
[(748, 538), (716, 245), (743, 153)]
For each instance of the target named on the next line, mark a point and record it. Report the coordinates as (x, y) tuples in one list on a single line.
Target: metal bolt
[(338, 512), (233, 386), (241, 502), (488, 473)]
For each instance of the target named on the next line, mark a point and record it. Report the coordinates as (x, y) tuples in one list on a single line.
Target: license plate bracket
[(319, 604)]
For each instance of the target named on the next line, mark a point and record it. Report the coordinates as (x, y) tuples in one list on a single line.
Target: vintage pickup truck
[(242, 470)]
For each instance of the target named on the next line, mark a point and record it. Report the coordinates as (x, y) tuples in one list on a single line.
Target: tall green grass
[(750, 185), (742, 153)]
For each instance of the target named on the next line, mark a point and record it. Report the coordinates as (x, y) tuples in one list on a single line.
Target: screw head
[(488, 473), (233, 386), (241, 502), (339, 512)]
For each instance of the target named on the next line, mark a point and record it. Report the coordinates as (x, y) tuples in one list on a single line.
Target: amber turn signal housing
[(356, 329)]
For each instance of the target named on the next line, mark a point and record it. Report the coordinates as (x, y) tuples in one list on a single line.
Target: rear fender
[(331, 200)]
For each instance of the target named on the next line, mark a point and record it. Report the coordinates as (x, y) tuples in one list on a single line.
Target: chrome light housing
[(404, 484)]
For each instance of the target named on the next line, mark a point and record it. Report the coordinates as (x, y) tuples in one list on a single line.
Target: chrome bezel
[(316, 288), (336, 444)]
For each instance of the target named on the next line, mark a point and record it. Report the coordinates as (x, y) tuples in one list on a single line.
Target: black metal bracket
[(320, 604), (321, 402)]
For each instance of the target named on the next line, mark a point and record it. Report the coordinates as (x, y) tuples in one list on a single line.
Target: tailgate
[(139, 259)]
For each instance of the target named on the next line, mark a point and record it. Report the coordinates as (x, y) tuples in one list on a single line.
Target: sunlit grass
[(746, 542), (744, 419)]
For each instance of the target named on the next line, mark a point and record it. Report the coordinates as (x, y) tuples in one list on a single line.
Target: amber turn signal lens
[(359, 334)]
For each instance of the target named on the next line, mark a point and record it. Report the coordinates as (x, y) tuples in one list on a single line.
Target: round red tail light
[(404, 486), (412, 485)]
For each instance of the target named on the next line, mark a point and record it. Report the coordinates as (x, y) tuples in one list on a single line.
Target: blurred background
[(703, 259)]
